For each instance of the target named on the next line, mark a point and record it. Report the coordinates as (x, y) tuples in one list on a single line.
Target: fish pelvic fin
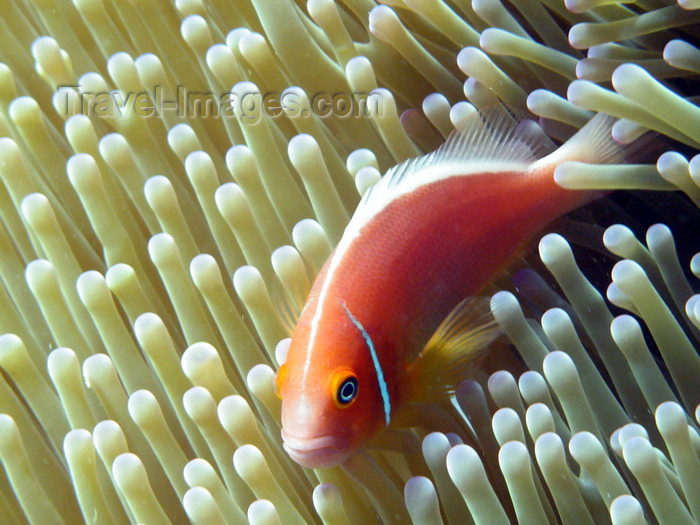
[(452, 352)]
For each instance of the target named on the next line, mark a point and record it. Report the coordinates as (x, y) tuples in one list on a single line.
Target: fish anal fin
[(452, 352)]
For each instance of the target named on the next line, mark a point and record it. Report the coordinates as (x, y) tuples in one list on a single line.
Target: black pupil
[(347, 390)]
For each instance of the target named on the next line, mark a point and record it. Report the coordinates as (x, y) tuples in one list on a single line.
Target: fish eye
[(347, 391), (345, 387)]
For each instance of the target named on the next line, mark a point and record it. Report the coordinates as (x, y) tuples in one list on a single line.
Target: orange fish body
[(433, 232)]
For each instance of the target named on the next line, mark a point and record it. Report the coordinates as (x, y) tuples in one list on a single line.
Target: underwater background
[(157, 229)]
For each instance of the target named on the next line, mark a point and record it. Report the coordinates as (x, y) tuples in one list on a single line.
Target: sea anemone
[(213, 155)]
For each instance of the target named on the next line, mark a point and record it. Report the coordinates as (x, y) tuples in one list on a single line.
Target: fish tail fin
[(592, 144), (452, 350)]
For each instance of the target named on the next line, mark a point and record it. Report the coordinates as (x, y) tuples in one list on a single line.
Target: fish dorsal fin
[(452, 350), (497, 134), (494, 139)]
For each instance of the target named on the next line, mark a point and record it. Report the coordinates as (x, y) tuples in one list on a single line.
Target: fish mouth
[(317, 452)]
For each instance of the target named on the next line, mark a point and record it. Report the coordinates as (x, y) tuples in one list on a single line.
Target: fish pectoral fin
[(287, 305), (452, 350)]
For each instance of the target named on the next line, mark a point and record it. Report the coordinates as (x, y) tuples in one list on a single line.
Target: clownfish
[(394, 316)]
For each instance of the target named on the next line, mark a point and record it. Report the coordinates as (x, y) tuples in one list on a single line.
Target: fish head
[(331, 401)]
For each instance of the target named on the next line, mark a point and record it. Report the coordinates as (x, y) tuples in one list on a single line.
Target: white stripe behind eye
[(383, 390)]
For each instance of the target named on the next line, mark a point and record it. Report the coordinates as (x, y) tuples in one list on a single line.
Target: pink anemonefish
[(392, 317)]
